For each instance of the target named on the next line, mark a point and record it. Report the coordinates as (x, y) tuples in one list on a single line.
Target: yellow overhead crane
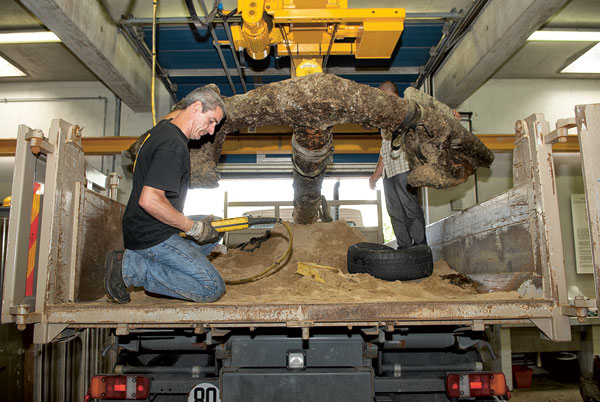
[(307, 30)]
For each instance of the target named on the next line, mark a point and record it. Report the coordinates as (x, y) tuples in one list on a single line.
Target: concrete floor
[(544, 389)]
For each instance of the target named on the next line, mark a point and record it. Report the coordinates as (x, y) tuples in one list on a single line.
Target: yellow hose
[(155, 4), (272, 266)]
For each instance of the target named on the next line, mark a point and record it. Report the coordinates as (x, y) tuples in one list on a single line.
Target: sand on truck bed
[(327, 244)]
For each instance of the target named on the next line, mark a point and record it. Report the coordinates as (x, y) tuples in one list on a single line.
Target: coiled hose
[(272, 267)]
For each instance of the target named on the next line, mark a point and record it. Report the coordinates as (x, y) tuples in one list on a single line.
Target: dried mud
[(320, 101)]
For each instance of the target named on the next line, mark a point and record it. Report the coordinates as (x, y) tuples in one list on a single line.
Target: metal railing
[(277, 205)]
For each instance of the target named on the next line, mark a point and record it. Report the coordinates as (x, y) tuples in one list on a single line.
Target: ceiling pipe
[(117, 126), (135, 38), (208, 23), (413, 17), (233, 53), (455, 31)]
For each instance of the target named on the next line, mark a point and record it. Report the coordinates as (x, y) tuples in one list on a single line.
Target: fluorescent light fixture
[(587, 63), (28, 37), (562, 35), (8, 70)]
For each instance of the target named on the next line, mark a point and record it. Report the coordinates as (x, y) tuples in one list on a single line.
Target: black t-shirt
[(163, 162)]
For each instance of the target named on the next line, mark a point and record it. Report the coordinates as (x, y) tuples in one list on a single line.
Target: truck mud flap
[(332, 385)]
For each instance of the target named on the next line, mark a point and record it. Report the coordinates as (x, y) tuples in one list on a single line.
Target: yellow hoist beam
[(277, 140)]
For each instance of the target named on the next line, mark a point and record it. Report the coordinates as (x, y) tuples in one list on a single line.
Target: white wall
[(97, 114), (498, 104), (486, 183), (569, 181)]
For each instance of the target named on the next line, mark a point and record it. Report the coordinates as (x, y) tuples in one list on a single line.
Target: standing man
[(156, 257), (401, 198)]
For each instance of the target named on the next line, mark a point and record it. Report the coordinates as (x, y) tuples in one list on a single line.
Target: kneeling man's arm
[(155, 202)]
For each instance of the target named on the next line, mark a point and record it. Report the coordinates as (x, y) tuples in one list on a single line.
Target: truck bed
[(509, 246), (345, 294)]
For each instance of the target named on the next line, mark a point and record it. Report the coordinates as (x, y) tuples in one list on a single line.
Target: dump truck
[(372, 349)]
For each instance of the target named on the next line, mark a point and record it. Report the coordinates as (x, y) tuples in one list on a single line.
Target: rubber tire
[(386, 263)]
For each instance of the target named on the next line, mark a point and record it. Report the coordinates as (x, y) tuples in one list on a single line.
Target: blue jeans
[(177, 267)]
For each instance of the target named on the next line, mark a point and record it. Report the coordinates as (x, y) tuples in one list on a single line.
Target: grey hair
[(208, 95), (388, 86)]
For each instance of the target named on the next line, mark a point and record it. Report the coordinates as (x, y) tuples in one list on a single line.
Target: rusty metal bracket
[(477, 325), (43, 332), (300, 324), (389, 327), (38, 143), (370, 331), (560, 134), (371, 350), (579, 308), (556, 328), (23, 316), (200, 329), (215, 333), (304, 325), (122, 329), (74, 134), (221, 352)]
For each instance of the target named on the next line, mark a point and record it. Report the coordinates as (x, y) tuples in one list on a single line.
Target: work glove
[(203, 232)]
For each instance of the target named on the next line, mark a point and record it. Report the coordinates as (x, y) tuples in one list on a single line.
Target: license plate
[(204, 392)]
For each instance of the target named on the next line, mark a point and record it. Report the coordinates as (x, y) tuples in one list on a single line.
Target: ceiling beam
[(87, 30), (498, 32), (218, 72)]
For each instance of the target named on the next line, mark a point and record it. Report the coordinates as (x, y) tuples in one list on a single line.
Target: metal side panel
[(490, 242), (173, 313), (513, 241), (18, 242), (588, 128), (98, 231), (64, 175), (544, 208)]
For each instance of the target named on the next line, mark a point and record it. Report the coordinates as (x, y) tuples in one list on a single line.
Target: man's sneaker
[(113, 280)]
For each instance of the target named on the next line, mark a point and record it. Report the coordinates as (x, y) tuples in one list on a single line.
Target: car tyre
[(386, 263)]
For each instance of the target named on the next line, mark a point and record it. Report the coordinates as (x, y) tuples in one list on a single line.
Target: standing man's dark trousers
[(404, 210)]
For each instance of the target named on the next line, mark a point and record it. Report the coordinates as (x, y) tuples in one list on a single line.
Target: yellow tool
[(243, 222)]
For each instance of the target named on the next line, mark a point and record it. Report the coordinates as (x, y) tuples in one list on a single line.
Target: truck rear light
[(474, 385), (119, 387)]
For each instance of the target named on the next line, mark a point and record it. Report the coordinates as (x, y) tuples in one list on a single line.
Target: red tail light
[(119, 387), (474, 385)]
